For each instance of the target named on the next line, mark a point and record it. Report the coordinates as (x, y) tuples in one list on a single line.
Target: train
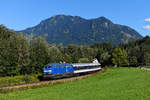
[(59, 70)]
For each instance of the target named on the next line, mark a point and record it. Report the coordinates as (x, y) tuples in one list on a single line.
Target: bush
[(7, 81), (27, 79), (83, 60), (106, 69)]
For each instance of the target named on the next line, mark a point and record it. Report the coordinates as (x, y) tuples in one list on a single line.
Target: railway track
[(49, 81)]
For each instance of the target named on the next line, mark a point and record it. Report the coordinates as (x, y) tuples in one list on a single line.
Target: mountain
[(68, 29)]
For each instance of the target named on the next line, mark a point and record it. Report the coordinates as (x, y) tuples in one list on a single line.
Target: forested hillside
[(20, 54), (138, 51), (68, 29)]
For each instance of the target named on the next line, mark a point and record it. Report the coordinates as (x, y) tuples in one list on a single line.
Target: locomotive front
[(47, 71), (57, 70)]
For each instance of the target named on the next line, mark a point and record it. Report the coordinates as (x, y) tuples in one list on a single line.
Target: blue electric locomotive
[(58, 70)]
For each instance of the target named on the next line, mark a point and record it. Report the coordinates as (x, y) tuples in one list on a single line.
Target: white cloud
[(147, 27), (147, 20)]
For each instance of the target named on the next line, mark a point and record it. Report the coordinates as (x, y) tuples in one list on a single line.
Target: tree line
[(21, 54)]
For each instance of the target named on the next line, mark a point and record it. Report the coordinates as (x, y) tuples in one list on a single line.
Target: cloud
[(147, 20), (147, 27)]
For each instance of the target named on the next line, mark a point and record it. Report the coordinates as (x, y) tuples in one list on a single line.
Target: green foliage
[(39, 54), (105, 56), (66, 58), (83, 60), (14, 52), (140, 50), (72, 50), (119, 57), (55, 54), (27, 78), (146, 66), (7, 81), (147, 58), (133, 60)]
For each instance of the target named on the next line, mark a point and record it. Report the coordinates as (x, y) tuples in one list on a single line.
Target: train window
[(44, 66), (49, 66), (76, 68)]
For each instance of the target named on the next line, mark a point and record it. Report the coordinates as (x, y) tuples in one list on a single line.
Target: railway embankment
[(25, 86)]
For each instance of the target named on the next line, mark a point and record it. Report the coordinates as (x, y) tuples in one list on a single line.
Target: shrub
[(106, 69), (83, 60), (27, 79), (6, 81)]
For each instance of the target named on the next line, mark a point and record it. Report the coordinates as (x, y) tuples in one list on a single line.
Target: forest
[(22, 54)]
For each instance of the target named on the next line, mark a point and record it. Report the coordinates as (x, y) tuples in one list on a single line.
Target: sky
[(21, 14)]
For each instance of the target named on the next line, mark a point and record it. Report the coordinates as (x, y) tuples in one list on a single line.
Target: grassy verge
[(115, 84), (45, 83), (146, 66), (9, 90), (7, 81)]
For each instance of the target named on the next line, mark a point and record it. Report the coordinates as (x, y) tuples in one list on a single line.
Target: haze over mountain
[(68, 29)]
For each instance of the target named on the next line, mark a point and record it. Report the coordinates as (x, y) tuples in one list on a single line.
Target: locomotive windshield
[(47, 66)]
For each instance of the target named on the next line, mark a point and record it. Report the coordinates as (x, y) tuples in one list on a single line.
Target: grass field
[(116, 84), (147, 66)]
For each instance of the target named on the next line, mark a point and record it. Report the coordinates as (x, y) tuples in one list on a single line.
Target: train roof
[(59, 65), (74, 64), (85, 64)]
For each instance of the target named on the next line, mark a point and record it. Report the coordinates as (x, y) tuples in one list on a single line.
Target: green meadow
[(115, 84)]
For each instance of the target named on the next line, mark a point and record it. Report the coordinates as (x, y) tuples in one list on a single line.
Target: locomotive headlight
[(45, 71), (49, 71)]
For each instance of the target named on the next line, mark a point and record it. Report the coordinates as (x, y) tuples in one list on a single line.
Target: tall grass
[(7, 81)]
